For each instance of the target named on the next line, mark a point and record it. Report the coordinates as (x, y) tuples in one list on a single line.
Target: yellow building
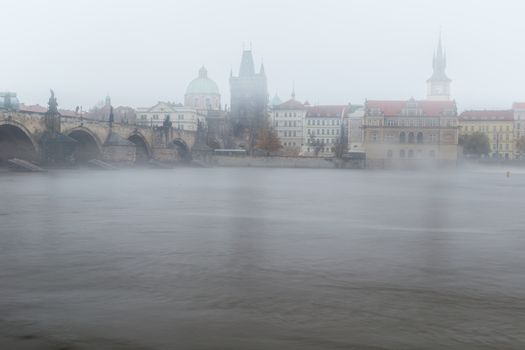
[(497, 125)]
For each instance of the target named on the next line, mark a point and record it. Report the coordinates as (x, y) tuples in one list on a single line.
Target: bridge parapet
[(93, 136)]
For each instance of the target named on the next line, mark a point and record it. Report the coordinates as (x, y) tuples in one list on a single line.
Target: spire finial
[(293, 90)]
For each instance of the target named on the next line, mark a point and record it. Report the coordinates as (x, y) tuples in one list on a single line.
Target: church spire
[(261, 71), (438, 85), (247, 67), (439, 62)]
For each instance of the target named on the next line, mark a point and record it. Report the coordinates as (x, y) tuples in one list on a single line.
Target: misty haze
[(262, 175)]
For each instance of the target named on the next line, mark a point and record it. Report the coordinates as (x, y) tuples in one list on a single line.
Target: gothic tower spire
[(438, 85)]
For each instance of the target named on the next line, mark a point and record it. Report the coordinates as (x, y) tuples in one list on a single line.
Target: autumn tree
[(520, 145), (315, 143), (341, 143), (475, 144), (267, 139)]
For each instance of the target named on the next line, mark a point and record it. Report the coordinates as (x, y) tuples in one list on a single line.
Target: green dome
[(203, 85)]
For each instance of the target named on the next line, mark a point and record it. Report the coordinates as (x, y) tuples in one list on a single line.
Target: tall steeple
[(439, 62), (438, 85), (261, 71), (247, 67)]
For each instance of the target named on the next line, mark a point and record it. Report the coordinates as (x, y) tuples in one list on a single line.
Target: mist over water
[(262, 259)]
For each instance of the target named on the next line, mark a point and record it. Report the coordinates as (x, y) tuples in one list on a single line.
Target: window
[(410, 154), (432, 154), (389, 153), (402, 153), (419, 137), (402, 137), (411, 137)]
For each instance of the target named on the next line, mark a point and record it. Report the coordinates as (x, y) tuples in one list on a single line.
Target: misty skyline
[(333, 52)]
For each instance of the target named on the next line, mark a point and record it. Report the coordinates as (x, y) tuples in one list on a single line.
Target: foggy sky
[(336, 52)]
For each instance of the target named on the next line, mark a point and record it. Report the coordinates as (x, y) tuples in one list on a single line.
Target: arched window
[(411, 137), (419, 137), (402, 153), (402, 137)]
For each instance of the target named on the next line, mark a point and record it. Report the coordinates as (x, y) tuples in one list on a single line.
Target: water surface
[(262, 259)]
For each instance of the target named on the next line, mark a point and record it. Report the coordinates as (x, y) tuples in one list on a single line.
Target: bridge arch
[(89, 145), (143, 148), (17, 142), (182, 148)]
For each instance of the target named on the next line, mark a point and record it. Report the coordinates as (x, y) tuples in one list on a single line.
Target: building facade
[(401, 133), (497, 125), (519, 119), (288, 121), (203, 93), (249, 92), (355, 129), (182, 118), (322, 130)]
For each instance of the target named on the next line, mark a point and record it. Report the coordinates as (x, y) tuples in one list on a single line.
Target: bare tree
[(267, 139)]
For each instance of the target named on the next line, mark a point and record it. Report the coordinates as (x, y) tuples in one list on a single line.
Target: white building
[(182, 118), (288, 120), (355, 129), (322, 130)]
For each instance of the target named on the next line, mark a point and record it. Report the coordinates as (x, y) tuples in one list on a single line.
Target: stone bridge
[(26, 135)]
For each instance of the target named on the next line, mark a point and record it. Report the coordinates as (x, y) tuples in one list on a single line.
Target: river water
[(262, 259)]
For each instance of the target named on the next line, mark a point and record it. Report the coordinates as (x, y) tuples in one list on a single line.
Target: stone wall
[(273, 162), (119, 154)]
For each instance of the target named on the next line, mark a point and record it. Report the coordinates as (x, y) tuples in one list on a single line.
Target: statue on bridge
[(56, 147), (52, 104)]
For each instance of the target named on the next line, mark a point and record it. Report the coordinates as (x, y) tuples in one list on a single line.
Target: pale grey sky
[(336, 52)]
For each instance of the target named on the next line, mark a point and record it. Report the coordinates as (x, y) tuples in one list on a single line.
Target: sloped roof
[(518, 105), (487, 115), (394, 108), (291, 104), (326, 111), (42, 110)]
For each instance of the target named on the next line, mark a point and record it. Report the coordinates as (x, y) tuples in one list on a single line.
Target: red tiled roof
[(482, 115), (42, 110), (395, 108), (518, 105), (32, 108), (290, 104), (329, 111)]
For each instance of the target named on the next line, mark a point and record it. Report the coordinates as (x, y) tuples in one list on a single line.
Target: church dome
[(203, 85)]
